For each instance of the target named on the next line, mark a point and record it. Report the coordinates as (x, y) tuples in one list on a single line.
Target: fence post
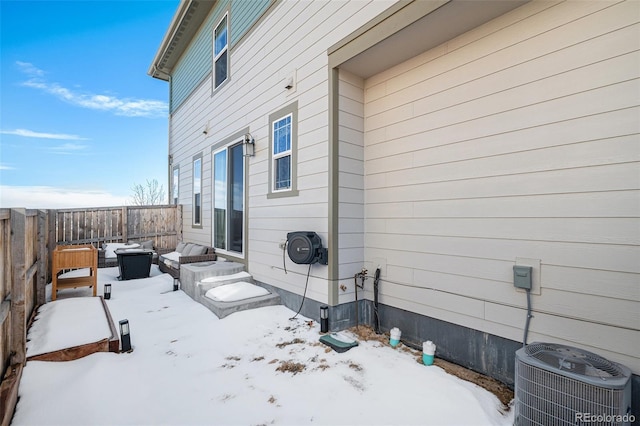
[(43, 255), (18, 285), (51, 244)]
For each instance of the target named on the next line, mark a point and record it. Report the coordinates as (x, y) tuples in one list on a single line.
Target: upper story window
[(283, 143), (197, 190), (220, 52)]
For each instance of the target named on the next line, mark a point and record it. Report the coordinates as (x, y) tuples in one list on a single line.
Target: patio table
[(134, 263)]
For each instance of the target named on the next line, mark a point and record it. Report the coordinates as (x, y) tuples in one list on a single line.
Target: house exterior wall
[(351, 182), (195, 64), (514, 143), (291, 39)]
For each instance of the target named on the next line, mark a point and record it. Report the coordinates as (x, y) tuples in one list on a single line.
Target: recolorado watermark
[(604, 418)]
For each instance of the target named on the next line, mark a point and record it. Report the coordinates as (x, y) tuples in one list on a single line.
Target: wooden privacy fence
[(27, 240), (162, 224), (23, 272)]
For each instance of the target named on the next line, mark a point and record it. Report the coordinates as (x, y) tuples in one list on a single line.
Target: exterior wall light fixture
[(249, 145)]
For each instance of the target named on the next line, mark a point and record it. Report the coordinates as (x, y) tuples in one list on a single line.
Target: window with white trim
[(282, 152), (197, 190), (221, 52), (175, 184)]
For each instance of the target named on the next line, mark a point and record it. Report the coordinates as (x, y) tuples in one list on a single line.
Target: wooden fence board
[(5, 260), (18, 285), (115, 223), (120, 224), (5, 333), (43, 264), (9, 393)]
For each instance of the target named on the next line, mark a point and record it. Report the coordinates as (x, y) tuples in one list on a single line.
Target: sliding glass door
[(228, 199)]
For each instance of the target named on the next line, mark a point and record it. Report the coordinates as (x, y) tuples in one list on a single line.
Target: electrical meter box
[(522, 276)]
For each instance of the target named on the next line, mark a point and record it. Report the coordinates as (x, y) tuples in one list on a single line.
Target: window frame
[(195, 214), (292, 190), (224, 50), (225, 146), (277, 156), (175, 185)]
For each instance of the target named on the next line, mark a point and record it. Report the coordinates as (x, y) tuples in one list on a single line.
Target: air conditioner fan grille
[(574, 360)]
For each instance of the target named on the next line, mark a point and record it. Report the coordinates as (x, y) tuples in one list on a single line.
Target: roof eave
[(184, 24)]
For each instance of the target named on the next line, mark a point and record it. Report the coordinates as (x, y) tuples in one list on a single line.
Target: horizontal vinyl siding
[(195, 64), (197, 60), (518, 139), (293, 36), (243, 15), (314, 26), (186, 140), (351, 182)]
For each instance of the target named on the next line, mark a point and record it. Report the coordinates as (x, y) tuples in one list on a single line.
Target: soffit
[(445, 21), (185, 23)]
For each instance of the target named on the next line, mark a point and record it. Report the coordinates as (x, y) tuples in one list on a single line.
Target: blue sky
[(81, 122)]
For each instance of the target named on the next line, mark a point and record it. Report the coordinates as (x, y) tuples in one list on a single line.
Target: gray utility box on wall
[(522, 276)]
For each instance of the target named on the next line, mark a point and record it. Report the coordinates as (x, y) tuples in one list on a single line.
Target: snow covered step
[(208, 283), (226, 299), (192, 273), (240, 290), (224, 288)]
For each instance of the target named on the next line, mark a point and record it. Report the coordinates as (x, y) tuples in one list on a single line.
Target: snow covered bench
[(183, 254)]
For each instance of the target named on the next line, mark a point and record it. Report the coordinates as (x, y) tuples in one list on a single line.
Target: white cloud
[(120, 106), (68, 148), (6, 167), (47, 197), (30, 69), (40, 135)]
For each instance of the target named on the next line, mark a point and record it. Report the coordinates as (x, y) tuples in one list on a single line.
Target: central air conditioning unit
[(562, 385), (305, 247)]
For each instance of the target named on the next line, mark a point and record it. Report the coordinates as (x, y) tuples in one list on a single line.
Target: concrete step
[(223, 308), (196, 279), (207, 284), (192, 273)]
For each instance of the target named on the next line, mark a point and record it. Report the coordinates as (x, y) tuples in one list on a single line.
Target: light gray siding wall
[(351, 181), (292, 39), (186, 140), (517, 142)]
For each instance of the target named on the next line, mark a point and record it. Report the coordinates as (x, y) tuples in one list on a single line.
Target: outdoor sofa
[(183, 254), (107, 253)]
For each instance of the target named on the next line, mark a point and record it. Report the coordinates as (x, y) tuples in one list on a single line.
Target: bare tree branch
[(150, 195)]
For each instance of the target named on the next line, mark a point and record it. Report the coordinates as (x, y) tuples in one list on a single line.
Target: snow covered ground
[(254, 367)]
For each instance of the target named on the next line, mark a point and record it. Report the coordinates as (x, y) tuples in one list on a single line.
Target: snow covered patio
[(254, 367)]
